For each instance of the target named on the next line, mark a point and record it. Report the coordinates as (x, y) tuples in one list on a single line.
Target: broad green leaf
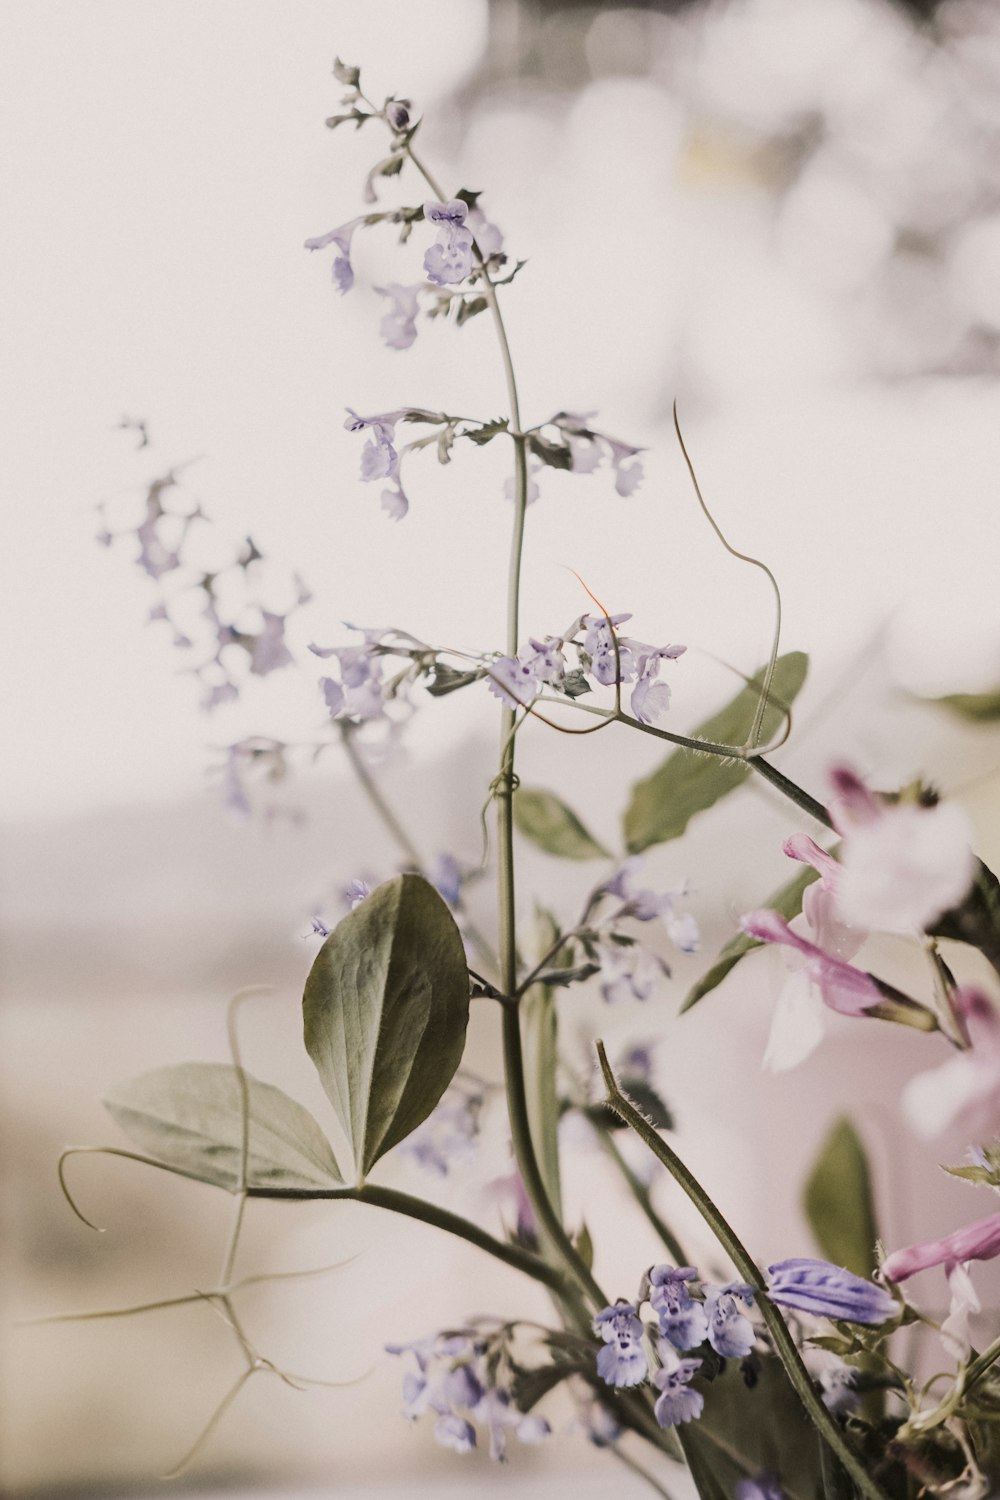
[(787, 902), (190, 1117), (839, 1204), (765, 1429), (550, 824), (386, 1006), (689, 781), (981, 707)]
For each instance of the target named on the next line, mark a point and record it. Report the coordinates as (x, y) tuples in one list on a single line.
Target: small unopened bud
[(397, 113)]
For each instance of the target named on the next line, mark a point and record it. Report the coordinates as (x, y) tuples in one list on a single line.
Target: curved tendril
[(210, 1425), (754, 562), (336, 1265), (614, 641), (149, 1161)]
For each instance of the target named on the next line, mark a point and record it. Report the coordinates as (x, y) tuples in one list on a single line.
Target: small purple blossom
[(454, 1432), (379, 459), (447, 1138), (449, 260), (682, 1320), (343, 271), (843, 988), (268, 650), (399, 325), (622, 1361), (355, 892), (397, 112), (827, 1291), (395, 503), (488, 237), (628, 972), (677, 1403), (730, 1332)]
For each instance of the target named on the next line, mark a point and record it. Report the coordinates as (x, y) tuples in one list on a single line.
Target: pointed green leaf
[(386, 1006), (980, 707), (765, 1430), (839, 1203), (550, 824), (688, 782), (190, 1117), (787, 902)]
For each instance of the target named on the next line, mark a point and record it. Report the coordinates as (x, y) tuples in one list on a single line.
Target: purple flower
[(394, 503), (628, 972), (599, 644), (977, 1241), (651, 698), (343, 271), (447, 1138), (682, 1320), (355, 892), (449, 260), (268, 650), (531, 493), (730, 1332), (622, 1361), (445, 875), (488, 237), (455, 1432), (628, 476), (677, 1402), (826, 1291), (761, 1487), (379, 459), (399, 325), (513, 680)]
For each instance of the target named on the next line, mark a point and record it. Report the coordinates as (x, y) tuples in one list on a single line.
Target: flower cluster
[(689, 1317), (458, 1377), (603, 654)]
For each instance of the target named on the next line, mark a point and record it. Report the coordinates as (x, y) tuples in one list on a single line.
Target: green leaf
[(486, 433), (765, 1429), (983, 708), (550, 824), (469, 307), (688, 781), (585, 1246), (444, 679), (556, 455), (345, 73), (190, 1116), (386, 1006), (786, 901), (839, 1204)]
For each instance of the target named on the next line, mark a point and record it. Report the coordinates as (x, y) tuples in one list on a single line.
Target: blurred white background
[(785, 217)]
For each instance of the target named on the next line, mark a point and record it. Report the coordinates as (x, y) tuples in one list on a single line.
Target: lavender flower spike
[(977, 1241), (826, 1291), (682, 1320)]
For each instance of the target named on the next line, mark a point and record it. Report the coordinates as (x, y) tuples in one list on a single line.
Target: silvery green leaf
[(346, 74), (688, 781), (386, 1007), (190, 1117), (980, 707), (550, 824), (556, 455)]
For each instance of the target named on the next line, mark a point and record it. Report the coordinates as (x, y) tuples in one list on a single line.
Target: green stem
[(790, 789), (637, 1468), (374, 794), (782, 1340), (981, 1364), (517, 1105), (441, 1218)]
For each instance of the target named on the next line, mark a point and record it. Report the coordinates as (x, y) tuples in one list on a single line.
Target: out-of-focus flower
[(964, 1092), (488, 236), (628, 972), (449, 260), (397, 112), (399, 325), (677, 1402), (343, 271), (901, 864), (847, 990), (622, 1361), (828, 1291), (760, 1487), (447, 1138)]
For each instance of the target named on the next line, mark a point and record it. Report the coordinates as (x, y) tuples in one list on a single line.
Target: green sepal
[(688, 781), (190, 1117), (386, 1006)]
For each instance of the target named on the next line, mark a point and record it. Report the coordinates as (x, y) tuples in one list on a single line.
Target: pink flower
[(963, 1093), (978, 1241), (901, 864)]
